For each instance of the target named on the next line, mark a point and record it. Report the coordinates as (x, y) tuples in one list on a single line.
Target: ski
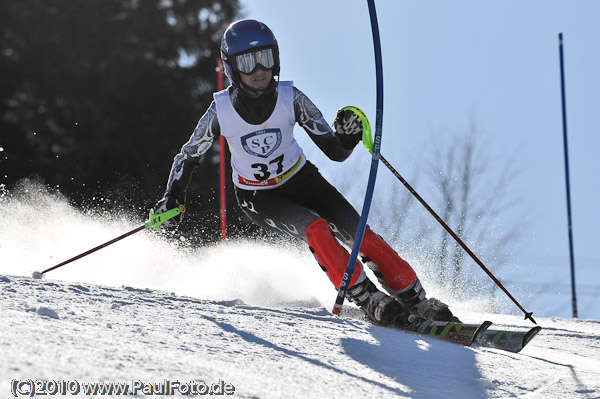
[(455, 332), (512, 341)]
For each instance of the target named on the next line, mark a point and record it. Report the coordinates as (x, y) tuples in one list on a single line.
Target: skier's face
[(258, 80)]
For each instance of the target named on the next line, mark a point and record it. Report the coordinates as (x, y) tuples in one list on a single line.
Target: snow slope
[(252, 315), (53, 330)]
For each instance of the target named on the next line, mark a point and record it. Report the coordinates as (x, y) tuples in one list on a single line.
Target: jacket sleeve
[(311, 119), (191, 153)]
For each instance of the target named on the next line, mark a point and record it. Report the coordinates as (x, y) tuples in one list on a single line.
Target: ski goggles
[(247, 63)]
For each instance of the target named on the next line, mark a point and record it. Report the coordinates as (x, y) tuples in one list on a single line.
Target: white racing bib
[(262, 156)]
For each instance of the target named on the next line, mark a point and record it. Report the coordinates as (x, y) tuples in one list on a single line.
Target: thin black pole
[(566, 148), (99, 247), (528, 315)]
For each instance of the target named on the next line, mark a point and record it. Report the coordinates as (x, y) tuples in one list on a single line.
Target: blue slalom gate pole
[(566, 148), (344, 285)]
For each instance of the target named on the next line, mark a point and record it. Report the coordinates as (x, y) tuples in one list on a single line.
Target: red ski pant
[(395, 273), (309, 208)]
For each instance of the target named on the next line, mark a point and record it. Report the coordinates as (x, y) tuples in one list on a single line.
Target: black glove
[(348, 128), (166, 204)]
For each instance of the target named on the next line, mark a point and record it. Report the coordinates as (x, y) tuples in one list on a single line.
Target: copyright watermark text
[(34, 387)]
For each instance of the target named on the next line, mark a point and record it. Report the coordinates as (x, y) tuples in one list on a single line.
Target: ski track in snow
[(92, 333)]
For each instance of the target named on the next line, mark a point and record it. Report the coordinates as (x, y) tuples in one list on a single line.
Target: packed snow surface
[(55, 330), (248, 318)]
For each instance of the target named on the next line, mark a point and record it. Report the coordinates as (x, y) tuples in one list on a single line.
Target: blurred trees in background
[(97, 96), (476, 197)]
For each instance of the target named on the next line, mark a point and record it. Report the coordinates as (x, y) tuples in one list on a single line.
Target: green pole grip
[(156, 219), (367, 137)]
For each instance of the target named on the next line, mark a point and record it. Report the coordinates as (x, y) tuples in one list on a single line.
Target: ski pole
[(528, 315), (368, 143), (156, 219)]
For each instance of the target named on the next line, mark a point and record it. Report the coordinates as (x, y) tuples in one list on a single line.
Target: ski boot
[(427, 308), (400, 280), (384, 310)]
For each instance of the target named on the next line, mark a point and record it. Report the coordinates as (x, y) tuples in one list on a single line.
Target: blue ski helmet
[(246, 45)]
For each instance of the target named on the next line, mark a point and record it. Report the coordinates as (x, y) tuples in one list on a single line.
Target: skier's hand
[(166, 204), (348, 128)]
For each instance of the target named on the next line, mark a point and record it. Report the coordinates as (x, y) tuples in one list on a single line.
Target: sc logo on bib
[(262, 143)]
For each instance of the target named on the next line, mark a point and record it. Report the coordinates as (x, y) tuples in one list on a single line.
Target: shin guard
[(332, 257), (394, 273)]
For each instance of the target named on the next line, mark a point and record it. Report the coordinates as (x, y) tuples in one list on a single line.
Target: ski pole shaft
[(156, 219), (528, 315), (86, 253)]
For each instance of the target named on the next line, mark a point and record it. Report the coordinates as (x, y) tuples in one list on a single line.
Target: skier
[(280, 190)]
